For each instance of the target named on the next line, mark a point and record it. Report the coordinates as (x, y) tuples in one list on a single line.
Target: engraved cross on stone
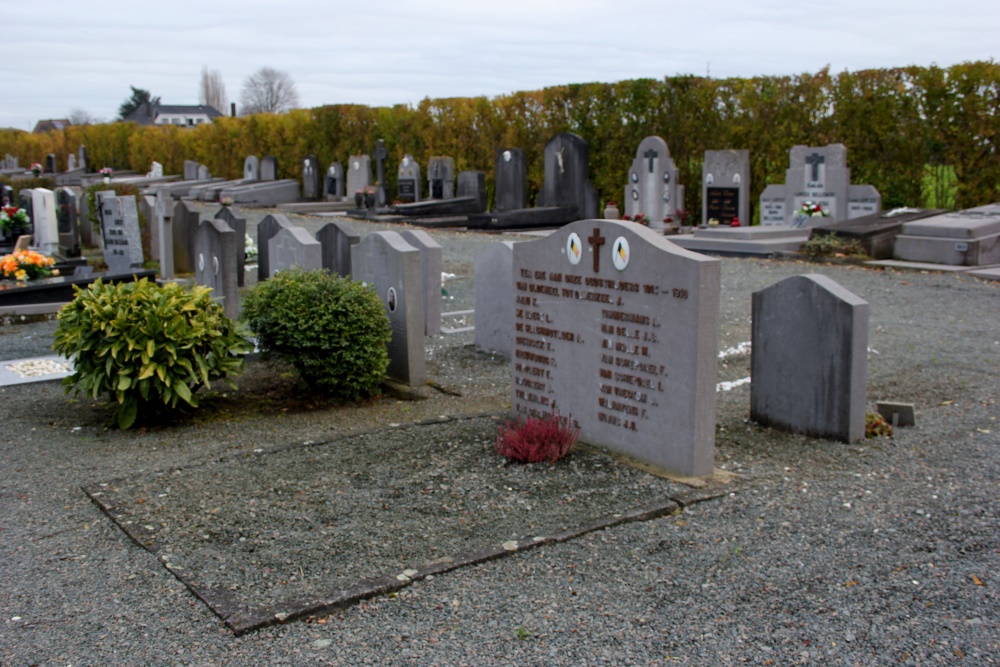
[(815, 160), (596, 240), (651, 154)]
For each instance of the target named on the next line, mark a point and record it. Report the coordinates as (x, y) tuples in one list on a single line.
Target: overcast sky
[(61, 55)]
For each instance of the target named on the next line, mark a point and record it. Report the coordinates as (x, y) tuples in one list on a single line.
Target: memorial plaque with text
[(616, 327), (722, 204)]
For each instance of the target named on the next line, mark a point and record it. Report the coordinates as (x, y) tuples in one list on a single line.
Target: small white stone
[(510, 545)]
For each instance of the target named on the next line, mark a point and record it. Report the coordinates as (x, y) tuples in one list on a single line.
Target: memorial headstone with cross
[(408, 180), (653, 190), (725, 187), (817, 177), (616, 328)]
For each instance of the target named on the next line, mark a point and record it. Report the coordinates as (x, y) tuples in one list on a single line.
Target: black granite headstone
[(312, 179), (511, 180), (566, 181)]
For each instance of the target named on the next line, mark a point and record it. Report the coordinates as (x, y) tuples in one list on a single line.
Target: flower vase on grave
[(106, 179), (369, 200), (359, 199), (611, 211)]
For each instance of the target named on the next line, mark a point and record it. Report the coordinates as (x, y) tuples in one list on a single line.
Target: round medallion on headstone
[(620, 253), (506, 156), (406, 161), (574, 249), (215, 265), (666, 177), (737, 179), (709, 179), (201, 261), (355, 165), (390, 299), (635, 195), (666, 196), (635, 177)]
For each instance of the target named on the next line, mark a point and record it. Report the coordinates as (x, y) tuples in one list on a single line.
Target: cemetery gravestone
[(392, 266), (156, 170), (190, 170), (203, 173), (232, 216), (473, 184), (26, 201), (66, 214), (120, 232), (616, 328), (441, 177), (293, 247), (269, 168), (50, 163), (381, 191), (359, 174), (71, 162), (8, 195), (267, 229), (44, 221), (493, 278), (652, 188), (164, 232), (334, 184), (808, 359), (336, 241), (82, 158), (725, 187), (566, 182), (430, 271), (251, 168), (216, 251), (184, 224), (408, 180), (511, 174), (312, 178)]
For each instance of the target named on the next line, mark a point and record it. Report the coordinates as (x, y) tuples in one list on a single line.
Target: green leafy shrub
[(149, 347), (876, 426), (831, 245), (536, 439), (333, 330)]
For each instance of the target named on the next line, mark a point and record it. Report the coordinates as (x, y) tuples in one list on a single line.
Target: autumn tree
[(212, 90), (268, 91)]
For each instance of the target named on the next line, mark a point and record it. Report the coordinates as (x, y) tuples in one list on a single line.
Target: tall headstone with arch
[(652, 189), (725, 187)]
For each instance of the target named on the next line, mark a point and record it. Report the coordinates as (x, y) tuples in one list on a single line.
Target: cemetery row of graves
[(612, 321)]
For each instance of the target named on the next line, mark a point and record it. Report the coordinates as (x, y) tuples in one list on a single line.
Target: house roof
[(147, 113), (51, 124)]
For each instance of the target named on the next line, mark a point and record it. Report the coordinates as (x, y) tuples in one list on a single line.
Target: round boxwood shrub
[(333, 330), (149, 347)]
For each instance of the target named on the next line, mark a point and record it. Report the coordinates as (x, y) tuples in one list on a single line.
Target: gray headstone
[(71, 162), (359, 174), (251, 168), (66, 215), (334, 182), (82, 158), (511, 180), (238, 222), (312, 179), (163, 228), (863, 200), (120, 233), (493, 280), (44, 220), (390, 264), (184, 223), (269, 168), (266, 230), (430, 272), (652, 188), (773, 206), (408, 180), (382, 190), (473, 184), (191, 170), (441, 177), (50, 163), (203, 173), (85, 223), (566, 182), (155, 170), (725, 187), (293, 248), (336, 241), (215, 256), (808, 359), (617, 327)]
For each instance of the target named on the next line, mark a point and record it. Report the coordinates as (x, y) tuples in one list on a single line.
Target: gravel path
[(883, 552)]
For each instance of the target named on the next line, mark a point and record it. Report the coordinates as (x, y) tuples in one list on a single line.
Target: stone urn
[(611, 211)]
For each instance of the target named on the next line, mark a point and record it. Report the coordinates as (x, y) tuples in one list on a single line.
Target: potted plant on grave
[(26, 265), (14, 221), (36, 169), (105, 173)]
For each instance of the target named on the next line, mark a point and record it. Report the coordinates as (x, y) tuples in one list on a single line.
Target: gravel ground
[(882, 552)]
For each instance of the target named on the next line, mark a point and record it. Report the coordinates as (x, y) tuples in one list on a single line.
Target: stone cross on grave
[(814, 161), (596, 240), (380, 155), (651, 154)]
